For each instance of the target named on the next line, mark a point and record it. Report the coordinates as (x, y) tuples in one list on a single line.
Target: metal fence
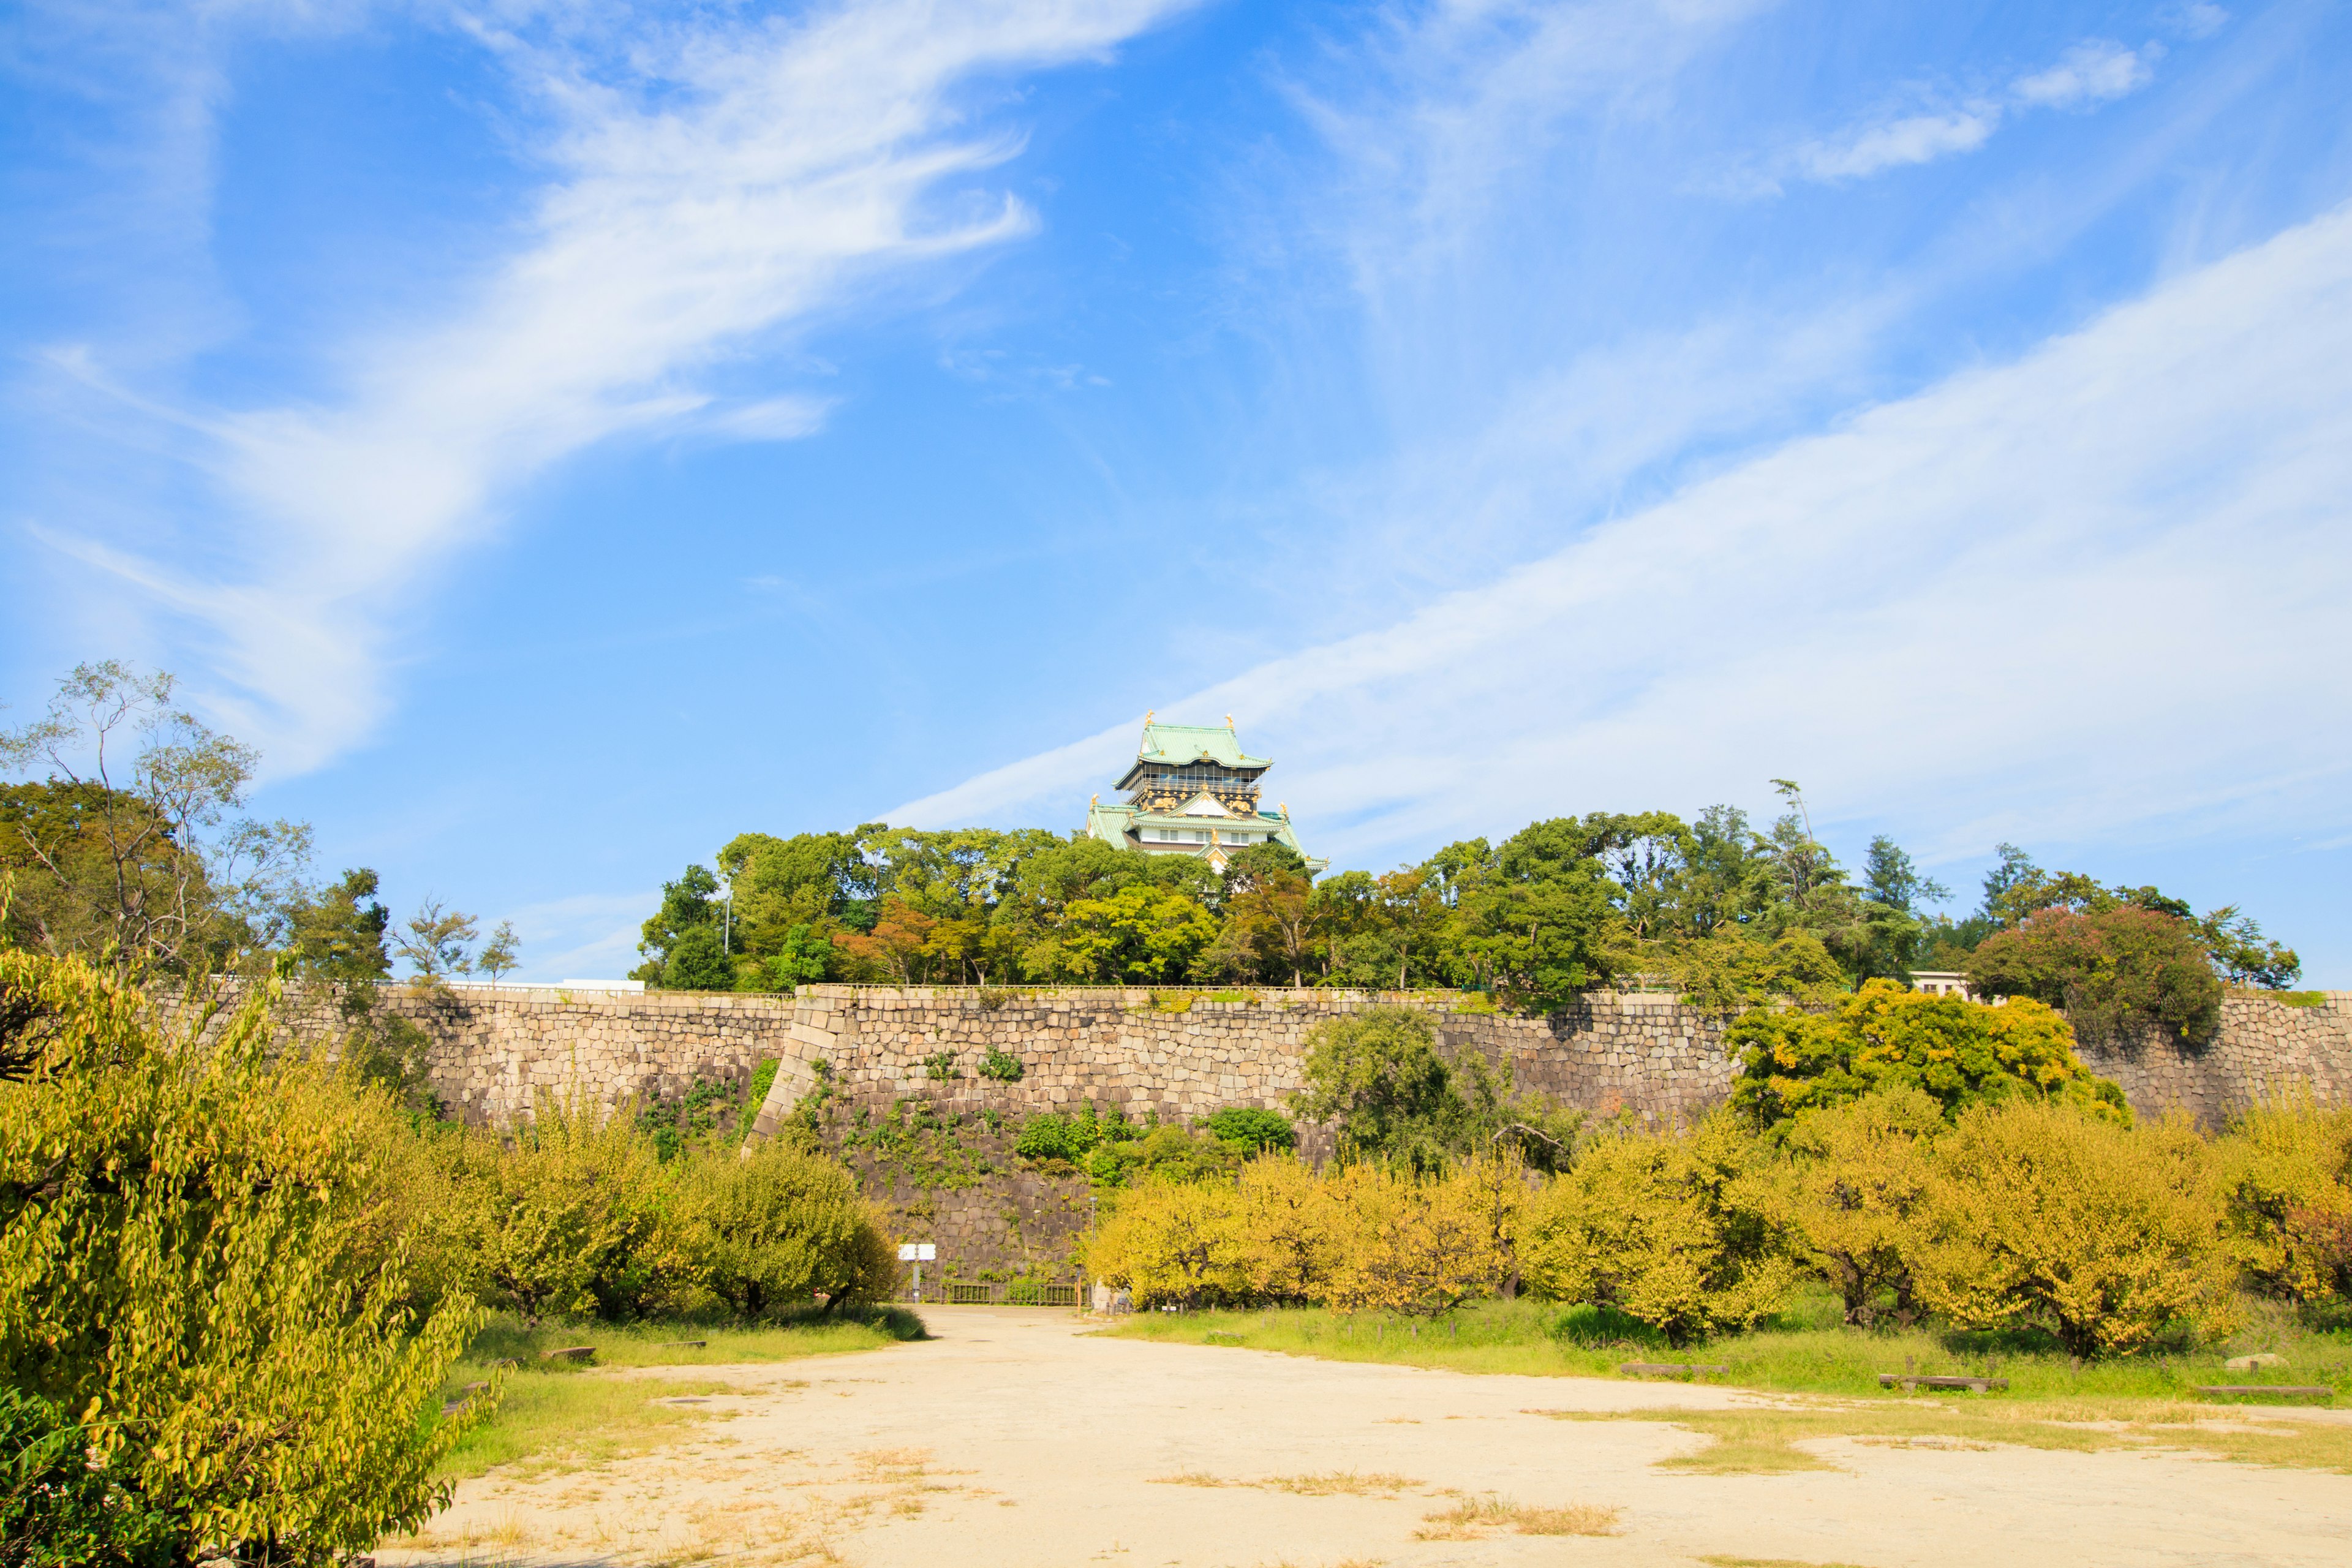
[(992, 1293)]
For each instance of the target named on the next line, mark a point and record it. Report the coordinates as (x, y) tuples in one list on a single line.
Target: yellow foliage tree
[(1666, 1226), (1851, 1191), (2037, 1213), (2286, 1179), (1170, 1241), (1961, 1053), (1288, 1230), (1412, 1244), (193, 1251)]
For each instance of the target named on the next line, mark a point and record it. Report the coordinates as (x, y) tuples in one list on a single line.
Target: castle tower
[(1193, 790)]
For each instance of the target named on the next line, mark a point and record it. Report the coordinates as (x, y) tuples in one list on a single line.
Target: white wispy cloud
[(2092, 590), (2090, 73), (721, 182), (1914, 139)]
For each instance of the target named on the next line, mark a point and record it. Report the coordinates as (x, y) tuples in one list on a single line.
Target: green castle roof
[(1177, 744)]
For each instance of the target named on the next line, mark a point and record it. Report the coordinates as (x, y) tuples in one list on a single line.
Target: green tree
[(1380, 1080), (1140, 934), (802, 958), (2244, 955), (2113, 969), (438, 942), (337, 941), (135, 844), (686, 905), (498, 956), (697, 961)]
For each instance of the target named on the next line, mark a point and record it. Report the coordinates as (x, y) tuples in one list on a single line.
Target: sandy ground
[(1014, 1438)]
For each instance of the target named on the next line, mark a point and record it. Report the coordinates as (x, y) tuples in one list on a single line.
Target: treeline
[(1726, 912), (1928, 1159), (234, 1278)]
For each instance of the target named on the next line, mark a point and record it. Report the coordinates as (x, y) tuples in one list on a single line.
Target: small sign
[(918, 1252)]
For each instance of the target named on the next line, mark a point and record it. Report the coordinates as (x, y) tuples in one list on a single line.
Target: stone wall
[(1186, 1054), (2263, 1049), (1179, 1055)]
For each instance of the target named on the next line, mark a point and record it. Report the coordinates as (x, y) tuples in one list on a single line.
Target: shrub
[(1851, 1193), (1001, 1066), (2038, 1214), (1410, 1243), (58, 1509), (2113, 970), (191, 1253), (779, 1224), (1059, 1135), (2286, 1181), (1665, 1227), (1170, 1241), (575, 1217), (1380, 1078), (1253, 1128), (1886, 1035), (1290, 1231)]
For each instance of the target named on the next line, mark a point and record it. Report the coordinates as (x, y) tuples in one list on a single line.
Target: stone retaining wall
[(1183, 1055), (496, 1049)]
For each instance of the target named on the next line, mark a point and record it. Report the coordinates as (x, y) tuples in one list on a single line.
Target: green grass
[(1805, 1350), (558, 1415)]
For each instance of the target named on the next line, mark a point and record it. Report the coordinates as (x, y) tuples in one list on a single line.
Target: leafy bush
[(2038, 1214), (191, 1250), (1851, 1193), (1886, 1035), (575, 1218), (692, 1119), (2286, 1179), (1001, 1066), (1411, 1243), (1170, 1241), (780, 1224), (1379, 1077), (1668, 1226), (1291, 1233), (1252, 1128), (2113, 970), (58, 1510)]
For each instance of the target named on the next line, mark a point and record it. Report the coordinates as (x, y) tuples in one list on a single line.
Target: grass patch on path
[(1330, 1483), (1475, 1518), (1805, 1350), (1763, 1440), (554, 1415)]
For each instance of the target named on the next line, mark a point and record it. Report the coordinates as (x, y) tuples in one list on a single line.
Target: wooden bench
[(1670, 1369), (2283, 1390), (583, 1355), (1973, 1384)]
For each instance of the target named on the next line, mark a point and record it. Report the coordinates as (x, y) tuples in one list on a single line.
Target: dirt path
[(1014, 1439)]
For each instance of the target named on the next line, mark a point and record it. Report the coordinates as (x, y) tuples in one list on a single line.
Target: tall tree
[(135, 844)]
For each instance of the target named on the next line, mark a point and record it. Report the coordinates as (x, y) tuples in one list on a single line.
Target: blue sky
[(563, 437)]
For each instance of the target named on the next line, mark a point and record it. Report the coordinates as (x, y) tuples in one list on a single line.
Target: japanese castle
[(1193, 790)]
